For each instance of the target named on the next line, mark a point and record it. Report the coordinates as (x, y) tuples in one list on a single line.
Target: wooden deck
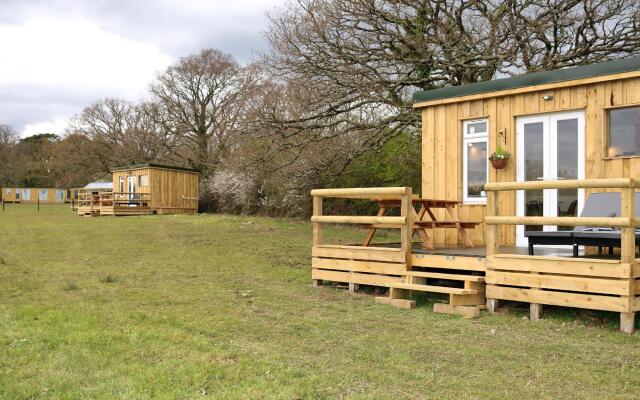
[(94, 204), (479, 275), (123, 211)]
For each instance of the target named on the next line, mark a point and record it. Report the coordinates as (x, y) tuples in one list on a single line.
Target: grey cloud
[(177, 28)]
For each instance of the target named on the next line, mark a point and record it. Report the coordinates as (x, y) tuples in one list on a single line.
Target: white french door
[(131, 186), (549, 147)]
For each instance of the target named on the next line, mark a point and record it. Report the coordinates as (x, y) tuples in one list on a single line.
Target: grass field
[(214, 306)]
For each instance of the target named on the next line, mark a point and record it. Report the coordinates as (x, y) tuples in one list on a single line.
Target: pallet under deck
[(552, 277), (476, 276)]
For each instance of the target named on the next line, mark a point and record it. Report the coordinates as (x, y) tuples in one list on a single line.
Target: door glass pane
[(131, 186), (567, 161), (476, 169), (533, 170), (568, 149)]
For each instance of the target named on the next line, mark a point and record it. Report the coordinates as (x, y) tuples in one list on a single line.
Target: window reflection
[(477, 169), (624, 132)]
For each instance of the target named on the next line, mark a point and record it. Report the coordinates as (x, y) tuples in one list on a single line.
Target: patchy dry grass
[(214, 306)]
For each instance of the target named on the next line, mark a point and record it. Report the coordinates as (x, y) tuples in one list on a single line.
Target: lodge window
[(121, 184), (623, 132), (143, 181), (475, 164)]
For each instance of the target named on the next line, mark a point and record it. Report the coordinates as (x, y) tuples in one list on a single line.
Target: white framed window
[(143, 181), (623, 132), (475, 161)]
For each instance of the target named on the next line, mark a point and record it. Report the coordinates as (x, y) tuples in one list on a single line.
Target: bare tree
[(201, 101), (123, 133), (550, 34), (351, 66), (8, 159)]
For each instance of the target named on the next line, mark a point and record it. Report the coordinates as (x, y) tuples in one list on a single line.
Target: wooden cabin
[(570, 133), (34, 195), (142, 190)]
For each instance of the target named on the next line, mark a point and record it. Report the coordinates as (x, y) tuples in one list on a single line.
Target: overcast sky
[(58, 56)]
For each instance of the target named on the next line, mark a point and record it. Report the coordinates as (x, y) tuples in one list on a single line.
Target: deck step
[(430, 288), (438, 275)]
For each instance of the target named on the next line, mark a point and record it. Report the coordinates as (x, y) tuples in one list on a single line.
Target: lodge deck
[(94, 204), (122, 211), (481, 251), (475, 276)]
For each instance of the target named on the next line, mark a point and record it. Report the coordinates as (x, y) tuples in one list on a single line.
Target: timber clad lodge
[(552, 223)]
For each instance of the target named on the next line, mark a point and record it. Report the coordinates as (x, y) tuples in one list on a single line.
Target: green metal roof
[(533, 79), (152, 165)]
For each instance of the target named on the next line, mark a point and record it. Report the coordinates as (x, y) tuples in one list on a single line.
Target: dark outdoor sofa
[(605, 204)]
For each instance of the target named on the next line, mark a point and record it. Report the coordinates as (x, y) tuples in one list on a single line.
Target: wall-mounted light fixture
[(503, 133), (547, 97)]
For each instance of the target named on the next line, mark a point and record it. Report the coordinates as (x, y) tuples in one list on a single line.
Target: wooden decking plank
[(589, 301), (439, 275), (432, 288), (560, 282)]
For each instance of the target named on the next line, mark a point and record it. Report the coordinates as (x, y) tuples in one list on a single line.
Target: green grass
[(214, 306)]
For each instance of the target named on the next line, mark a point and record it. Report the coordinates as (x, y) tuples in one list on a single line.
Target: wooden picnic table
[(425, 219)]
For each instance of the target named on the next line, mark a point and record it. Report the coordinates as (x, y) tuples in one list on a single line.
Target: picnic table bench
[(425, 219)]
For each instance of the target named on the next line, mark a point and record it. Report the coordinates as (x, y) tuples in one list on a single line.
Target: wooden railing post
[(492, 231), (317, 226), (492, 239), (628, 254), (406, 232), (317, 235)]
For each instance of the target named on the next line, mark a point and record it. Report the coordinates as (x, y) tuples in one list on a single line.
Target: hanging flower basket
[(499, 163), (500, 158)]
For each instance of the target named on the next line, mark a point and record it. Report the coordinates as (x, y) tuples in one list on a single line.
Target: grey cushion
[(548, 233), (598, 235), (602, 204)]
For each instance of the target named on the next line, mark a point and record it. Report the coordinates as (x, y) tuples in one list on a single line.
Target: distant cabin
[(33, 195), (141, 190), (171, 189), (104, 184)]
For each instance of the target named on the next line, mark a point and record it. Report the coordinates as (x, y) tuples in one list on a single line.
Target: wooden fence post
[(406, 232), (317, 234), (492, 239), (398, 297), (38, 202), (628, 254)]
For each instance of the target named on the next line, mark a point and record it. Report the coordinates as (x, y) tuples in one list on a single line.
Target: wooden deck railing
[(627, 220), (129, 199), (403, 222), (113, 199), (593, 283)]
